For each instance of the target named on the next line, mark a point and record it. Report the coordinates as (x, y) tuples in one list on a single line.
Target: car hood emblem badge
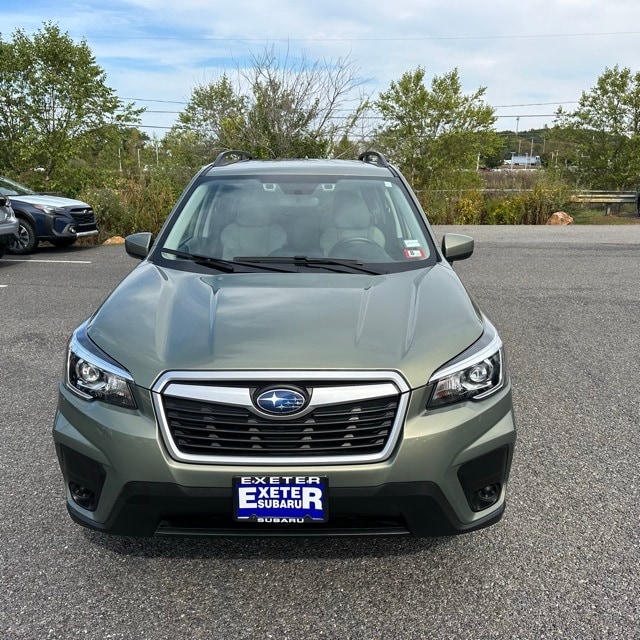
[(280, 401)]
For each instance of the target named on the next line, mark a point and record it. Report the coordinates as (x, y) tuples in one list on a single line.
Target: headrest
[(351, 211), (252, 209)]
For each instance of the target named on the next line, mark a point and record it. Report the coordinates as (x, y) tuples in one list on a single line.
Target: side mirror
[(138, 245), (3, 201), (456, 246)]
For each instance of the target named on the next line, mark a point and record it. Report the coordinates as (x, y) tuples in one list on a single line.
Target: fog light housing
[(85, 477), (483, 478), (82, 496), (487, 496)]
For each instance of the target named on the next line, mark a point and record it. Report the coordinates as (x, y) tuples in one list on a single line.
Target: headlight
[(92, 376), (48, 208), (476, 374)]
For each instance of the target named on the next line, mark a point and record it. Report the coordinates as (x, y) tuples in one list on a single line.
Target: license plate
[(280, 499)]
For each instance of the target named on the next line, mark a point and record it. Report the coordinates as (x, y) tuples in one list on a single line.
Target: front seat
[(252, 234), (351, 220)]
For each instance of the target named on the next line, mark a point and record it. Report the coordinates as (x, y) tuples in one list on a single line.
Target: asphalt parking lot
[(564, 561)]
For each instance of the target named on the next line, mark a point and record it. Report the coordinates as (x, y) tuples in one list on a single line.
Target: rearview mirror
[(138, 245), (456, 246)]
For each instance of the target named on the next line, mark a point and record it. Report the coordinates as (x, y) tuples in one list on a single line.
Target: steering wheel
[(359, 248)]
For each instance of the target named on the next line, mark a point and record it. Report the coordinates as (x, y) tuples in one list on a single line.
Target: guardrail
[(608, 198), (604, 197)]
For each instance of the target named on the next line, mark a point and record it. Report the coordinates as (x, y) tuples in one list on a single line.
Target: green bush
[(453, 207), (134, 204), (533, 206), (469, 208), (504, 204)]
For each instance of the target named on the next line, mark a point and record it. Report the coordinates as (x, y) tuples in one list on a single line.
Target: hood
[(50, 201), (163, 319)]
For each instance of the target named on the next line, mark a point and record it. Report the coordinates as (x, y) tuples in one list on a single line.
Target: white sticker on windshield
[(412, 244)]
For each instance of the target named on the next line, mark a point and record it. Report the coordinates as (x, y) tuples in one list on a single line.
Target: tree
[(212, 121), (278, 107), (56, 111), (436, 135), (605, 131)]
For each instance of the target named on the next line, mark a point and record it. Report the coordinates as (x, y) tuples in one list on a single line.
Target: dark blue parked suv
[(58, 220)]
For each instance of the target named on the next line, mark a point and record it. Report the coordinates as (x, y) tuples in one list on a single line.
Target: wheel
[(27, 240), (63, 242)]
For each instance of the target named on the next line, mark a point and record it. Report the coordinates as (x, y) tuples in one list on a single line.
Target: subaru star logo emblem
[(280, 401)]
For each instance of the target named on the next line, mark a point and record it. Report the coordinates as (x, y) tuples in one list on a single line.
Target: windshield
[(301, 220), (11, 188)]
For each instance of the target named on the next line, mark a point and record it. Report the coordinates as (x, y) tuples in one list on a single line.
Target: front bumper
[(69, 229), (422, 488), (416, 508), (64, 226)]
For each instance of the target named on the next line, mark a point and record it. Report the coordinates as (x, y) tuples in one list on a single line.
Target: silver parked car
[(8, 224)]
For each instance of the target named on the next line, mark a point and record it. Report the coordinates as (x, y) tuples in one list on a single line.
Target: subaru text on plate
[(293, 356)]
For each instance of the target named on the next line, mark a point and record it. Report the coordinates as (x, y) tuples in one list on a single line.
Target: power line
[(162, 101), (161, 111), (352, 39), (501, 106), (528, 115), (534, 104), (497, 106), (347, 115)]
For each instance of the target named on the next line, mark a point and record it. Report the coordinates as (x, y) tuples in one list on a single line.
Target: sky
[(532, 57)]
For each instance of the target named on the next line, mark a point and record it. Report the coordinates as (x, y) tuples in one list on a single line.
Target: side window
[(187, 223)]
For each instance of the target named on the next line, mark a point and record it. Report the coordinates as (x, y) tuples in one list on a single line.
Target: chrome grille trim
[(334, 387)]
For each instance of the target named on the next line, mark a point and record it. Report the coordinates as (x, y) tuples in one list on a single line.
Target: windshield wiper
[(355, 265), (228, 266)]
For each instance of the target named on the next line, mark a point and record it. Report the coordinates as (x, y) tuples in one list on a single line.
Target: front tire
[(27, 240)]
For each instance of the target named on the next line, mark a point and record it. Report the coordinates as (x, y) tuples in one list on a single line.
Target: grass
[(627, 215)]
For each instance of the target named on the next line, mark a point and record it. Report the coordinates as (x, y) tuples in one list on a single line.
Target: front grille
[(203, 428), (83, 216)]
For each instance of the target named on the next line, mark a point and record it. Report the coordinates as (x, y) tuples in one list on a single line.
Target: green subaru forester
[(293, 356)]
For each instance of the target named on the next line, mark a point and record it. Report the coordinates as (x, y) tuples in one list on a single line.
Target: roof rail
[(373, 157), (229, 157)]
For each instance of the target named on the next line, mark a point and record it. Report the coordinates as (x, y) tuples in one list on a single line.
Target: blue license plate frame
[(281, 500)]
